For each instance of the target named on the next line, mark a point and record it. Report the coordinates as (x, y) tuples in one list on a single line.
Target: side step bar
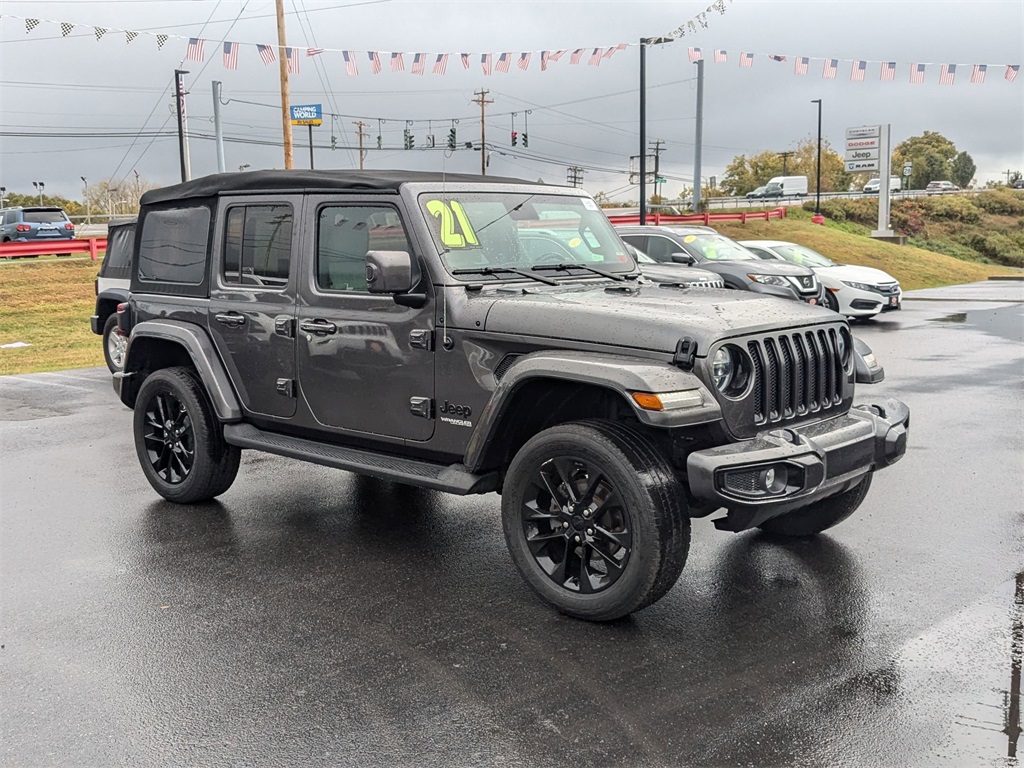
[(451, 478)]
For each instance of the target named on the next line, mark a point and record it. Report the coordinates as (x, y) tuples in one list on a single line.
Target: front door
[(252, 301), (365, 363)]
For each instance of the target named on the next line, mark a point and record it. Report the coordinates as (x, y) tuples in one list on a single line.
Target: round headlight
[(723, 367)]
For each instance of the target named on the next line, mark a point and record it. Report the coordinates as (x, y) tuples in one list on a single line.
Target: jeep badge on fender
[(560, 368)]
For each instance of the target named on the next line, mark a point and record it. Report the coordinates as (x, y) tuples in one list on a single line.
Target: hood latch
[(686, 353)]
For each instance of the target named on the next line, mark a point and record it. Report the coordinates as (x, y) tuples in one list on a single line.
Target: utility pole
[(282, 60), (657, 164), (360, 125), (698, 135), (88, 205), (574, 176), (1007, 172), (483, 102), (784, 156), (179, 100), (817, 191), (217, 130)]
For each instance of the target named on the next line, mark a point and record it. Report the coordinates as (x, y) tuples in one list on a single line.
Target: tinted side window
[(173, 245), (345, 234), (257, 245), (637, 241), (661, 248)]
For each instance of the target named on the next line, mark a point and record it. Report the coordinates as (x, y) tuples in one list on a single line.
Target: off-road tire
[(821, 515), (652, 510), (179, 395), (108, 329)]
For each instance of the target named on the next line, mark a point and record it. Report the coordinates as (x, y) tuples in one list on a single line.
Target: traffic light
[(410, 140), (515, 138), (526, 140), (451, 138)]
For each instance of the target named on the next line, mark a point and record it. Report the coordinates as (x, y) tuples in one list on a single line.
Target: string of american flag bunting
[(196, 49)]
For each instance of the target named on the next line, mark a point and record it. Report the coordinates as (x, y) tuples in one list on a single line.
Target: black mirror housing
[(391, 272), (682, 258)]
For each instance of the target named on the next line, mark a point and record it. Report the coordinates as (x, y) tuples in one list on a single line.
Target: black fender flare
[(620, 374), (197, 343)]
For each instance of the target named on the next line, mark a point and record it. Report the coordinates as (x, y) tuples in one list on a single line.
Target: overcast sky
[(581, 115)]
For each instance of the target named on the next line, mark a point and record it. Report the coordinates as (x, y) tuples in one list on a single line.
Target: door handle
[(318, 326), (230, 318)]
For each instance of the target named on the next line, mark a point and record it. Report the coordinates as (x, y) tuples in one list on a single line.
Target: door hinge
[(422, 407), (421, 338), (286, 387), (284, 326)]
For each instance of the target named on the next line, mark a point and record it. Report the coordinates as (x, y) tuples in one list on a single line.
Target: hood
[(646, 317), (678, 273), (852, 272), (762, 267)]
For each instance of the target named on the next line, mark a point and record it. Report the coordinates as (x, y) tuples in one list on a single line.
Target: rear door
[(252, 300)]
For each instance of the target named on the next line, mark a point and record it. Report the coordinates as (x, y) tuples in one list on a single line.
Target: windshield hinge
[(686, 353)]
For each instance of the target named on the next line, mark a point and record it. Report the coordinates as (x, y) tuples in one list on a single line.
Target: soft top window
[(172, 248)]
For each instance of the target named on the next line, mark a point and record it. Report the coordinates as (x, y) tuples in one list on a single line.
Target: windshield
[(481, 230), (716, 248), (805, 256)]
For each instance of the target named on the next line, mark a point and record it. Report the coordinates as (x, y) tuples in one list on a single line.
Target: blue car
[(33, 224)]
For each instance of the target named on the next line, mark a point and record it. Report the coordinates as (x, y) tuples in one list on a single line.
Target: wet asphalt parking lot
[(311, 617)]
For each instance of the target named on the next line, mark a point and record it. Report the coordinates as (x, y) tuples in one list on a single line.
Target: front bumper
[(806, 463)]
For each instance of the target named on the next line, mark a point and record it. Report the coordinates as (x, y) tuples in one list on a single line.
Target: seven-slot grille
[(795, 374)]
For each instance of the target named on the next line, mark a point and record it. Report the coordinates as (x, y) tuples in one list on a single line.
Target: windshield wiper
[(504, 271), (574, 265)]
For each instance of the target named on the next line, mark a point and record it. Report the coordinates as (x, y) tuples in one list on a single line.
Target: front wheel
[(820, 515), (595, 519), (179, 440)]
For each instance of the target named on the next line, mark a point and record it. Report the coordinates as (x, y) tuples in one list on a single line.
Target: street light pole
[(643, 130), (817, 190), (39, 188), (88, 205)]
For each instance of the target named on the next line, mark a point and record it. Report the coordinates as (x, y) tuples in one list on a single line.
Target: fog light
[(768, 479), (775, 479)]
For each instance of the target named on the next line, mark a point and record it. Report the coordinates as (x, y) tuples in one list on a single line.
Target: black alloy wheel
[(168, 437), (575, 525)]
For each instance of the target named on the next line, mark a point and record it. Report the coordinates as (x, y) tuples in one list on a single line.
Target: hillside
[(913, 266)]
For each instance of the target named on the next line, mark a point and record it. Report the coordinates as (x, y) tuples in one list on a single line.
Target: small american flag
[(800, 65), (231, 55), (485, 63), (595, 58), (544, 56), (557, 55), (375, 62), (888, 71), (830, 69), (440, 64), (614, 49), (775, 57), (465, 60), (419, 61), (694, 54), (504, 61), (978, 73), (576, 56), (194, 51), (292, 57), (349, 57), (314, 51), (1011, 72), (397, 63), (266, 54), (947, 74), (721, 57), (917, 74), (524, 61), (746, 59), (858, 70)]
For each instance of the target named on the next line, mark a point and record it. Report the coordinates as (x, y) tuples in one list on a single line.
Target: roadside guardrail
[(90, 245), (700, 218)]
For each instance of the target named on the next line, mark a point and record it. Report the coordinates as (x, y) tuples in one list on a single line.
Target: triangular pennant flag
[(66, 28), (31, 24), (100, 32), (160, 40), (129, 36)]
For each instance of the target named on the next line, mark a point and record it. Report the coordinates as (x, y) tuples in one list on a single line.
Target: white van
[(786, 186), (874, 186)]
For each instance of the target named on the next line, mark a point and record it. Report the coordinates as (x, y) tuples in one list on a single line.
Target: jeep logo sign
[(462, 411)]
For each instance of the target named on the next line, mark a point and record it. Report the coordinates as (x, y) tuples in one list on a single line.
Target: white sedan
[(849, 290)]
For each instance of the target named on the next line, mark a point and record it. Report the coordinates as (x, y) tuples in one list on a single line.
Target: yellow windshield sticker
[(575, 243), (450, 215), (689, 238)]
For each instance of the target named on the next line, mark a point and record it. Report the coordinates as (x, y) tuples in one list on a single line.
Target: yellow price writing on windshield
[(452, 218)]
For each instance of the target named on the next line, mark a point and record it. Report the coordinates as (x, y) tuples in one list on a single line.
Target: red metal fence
[(91, 245), (700, 218)]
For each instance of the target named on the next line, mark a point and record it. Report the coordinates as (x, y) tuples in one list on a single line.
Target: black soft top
[(271, 181)]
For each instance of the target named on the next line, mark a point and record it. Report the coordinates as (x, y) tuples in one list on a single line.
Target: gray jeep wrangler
[(473, 335)]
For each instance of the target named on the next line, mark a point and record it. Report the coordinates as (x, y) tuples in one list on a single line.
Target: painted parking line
[(44, 382)]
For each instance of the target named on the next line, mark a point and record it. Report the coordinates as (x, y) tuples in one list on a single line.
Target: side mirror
[(390, 272), (683, 258), (866, 367)]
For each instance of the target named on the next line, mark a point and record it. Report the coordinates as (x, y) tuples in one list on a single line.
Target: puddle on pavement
[(959, 317)]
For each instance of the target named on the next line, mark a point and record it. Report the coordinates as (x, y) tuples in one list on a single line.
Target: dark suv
[(398, 325)]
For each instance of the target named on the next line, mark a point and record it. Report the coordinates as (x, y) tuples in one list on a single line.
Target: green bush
[(848, 209), (953, 207), (1003, 201), (909, 218), (1001, 248)]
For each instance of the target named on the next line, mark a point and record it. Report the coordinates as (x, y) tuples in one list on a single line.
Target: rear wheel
[(595, 519), (820, 515), (178, 439), (114, 345)]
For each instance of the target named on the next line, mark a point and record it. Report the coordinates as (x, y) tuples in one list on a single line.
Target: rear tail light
[(23, 228), (69, 225)]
